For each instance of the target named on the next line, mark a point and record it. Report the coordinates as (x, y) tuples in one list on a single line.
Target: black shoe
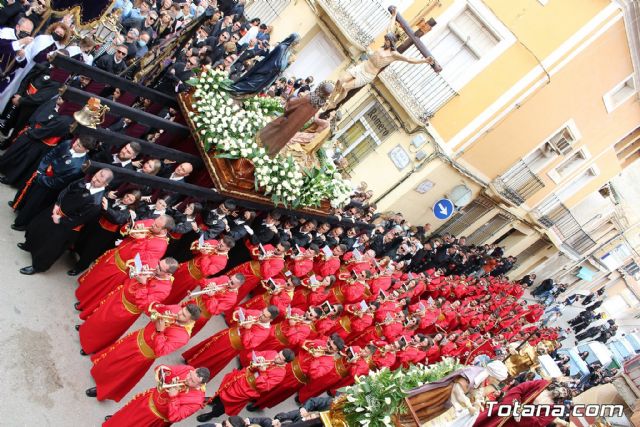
[(203, 418), (77, 306), (28, 271), (91, 392), (297, 399), (73, 272), (18, 227), (10, 203), (77, 328), (251, 408), (4, 180), (107, 417), (22, 246), (84, 353)]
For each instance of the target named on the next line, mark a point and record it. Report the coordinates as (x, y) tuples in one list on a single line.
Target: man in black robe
[(115, 63), (46, 129), (53, 230), (57, 169)]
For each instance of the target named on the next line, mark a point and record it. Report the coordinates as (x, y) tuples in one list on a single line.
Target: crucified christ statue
[(366, 71)]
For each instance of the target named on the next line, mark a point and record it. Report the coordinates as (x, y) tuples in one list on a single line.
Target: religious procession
[(321, 213)]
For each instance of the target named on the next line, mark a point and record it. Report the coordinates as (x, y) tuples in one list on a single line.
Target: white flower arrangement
[(230, 130)]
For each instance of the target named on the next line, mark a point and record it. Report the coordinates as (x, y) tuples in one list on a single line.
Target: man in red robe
[(268, 265), (220, 294), (354, 321), (147, 238), (328, 265), (385, 356), (118, 368), (301, 264), (345, 368), (313, 291), (162, 406), (279, 293), (118, 311), (217, 351), (241, 386), (314, 360), (210, 259), (351, 290), (290, 333)]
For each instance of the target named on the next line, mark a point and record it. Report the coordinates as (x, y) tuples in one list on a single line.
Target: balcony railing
[(557, 217), (518, 183), (361, 21), (419, 89)]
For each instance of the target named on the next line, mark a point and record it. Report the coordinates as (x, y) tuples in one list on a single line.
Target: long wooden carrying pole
[(148, 148), (206, 194)]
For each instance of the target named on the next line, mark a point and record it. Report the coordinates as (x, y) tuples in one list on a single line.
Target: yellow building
[(534, 112)]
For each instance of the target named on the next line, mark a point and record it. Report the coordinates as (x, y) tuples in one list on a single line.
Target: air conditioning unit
[(418, 140)]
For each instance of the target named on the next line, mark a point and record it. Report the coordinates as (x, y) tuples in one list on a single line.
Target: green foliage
[(375, 398)]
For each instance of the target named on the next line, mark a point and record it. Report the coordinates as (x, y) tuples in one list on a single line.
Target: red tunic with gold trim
[(211, 305), (410, 356), (118, 311), (387, 308), (321, 327), (352, 325), (358, 368), (327, 266), (433, 353), (316, 388), (110, 270), (347, 293), (380, 283), (300, 267), (449, 349), (282, 300), (304, 297), (257, 270), (282, 335), (382, 359), (240, 387), (304, 369), (154, 408), (379, 331), (218, 350), (118, 368), (190, 273), (350, 263)]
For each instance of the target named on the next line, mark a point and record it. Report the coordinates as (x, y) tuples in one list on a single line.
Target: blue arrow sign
[(443, 209)]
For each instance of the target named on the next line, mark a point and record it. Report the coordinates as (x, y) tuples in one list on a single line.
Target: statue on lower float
[(298, 111)]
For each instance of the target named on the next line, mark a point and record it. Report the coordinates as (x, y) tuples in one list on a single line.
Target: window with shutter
[(465, 41), (619, 94), (370, 126)]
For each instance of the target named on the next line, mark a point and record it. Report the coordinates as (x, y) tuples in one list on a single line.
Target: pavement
[(44, 377)]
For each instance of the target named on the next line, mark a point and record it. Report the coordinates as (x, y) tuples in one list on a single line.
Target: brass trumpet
[(145, 272), (206, 248), (162, 385), (210, 290), (316, 351), (298, 318), (248, 321), (260, 362), (168, 317), (137, 231)]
